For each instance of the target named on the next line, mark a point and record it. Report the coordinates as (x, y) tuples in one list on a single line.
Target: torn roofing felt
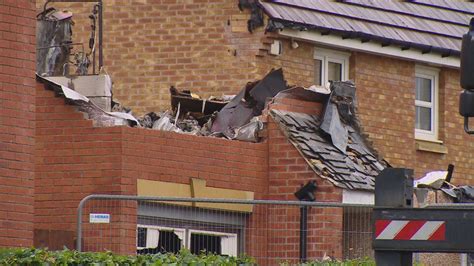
[(248, 103), (356, 166)]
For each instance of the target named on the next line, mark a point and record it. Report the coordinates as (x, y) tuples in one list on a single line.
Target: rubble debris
[(84, 104), (249, 132), (53, 42), (249, 103), (148, 120), (190, 102), (165, 123), (464, 194), (339, 113), (118, 107), (357, 165), (432, 180), (306, 94)]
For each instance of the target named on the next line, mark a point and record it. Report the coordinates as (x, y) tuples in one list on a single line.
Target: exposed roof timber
[(373, 48)]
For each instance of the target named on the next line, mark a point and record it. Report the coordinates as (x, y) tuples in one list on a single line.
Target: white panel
[(357, 197), (152, 237), (229, 245)]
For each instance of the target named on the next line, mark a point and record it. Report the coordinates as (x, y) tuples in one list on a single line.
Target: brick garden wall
[(17, 121), (74, 159)]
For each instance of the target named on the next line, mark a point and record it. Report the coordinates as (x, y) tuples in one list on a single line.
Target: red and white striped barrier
[(410, 230)]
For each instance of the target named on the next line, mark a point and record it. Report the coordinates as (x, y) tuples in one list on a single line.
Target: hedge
[(33, 257)]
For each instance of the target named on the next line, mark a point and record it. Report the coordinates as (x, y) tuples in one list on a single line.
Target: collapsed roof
[(333, 145)]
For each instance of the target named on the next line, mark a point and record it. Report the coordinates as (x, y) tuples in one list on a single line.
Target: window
[(426, 103), (330, 66), (214, 242), (170, 228), (155, 239)]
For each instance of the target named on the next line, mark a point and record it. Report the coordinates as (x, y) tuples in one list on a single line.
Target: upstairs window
[(330, 65), (426, 103)]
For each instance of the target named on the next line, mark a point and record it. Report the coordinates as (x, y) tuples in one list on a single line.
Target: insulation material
[(53, 40)]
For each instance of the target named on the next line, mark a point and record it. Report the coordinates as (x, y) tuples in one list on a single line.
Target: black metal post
[(394, 188), (303, 232), (101, 31)]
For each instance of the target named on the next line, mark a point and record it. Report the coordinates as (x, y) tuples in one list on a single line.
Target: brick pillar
[(17, 121)]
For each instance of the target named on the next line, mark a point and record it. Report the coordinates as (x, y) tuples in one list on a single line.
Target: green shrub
[(43, 257), (33, 257)]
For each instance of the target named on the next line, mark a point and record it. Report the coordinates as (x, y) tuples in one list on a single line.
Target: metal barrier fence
[(268, 230)]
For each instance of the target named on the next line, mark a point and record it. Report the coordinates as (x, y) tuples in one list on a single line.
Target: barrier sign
[(410, 230), (99, 218), (424, 230)]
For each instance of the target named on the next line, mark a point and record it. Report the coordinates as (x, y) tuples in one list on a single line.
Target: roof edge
[(373, 48)]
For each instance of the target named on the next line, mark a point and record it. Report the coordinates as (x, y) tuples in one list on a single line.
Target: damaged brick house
[(406, 76)]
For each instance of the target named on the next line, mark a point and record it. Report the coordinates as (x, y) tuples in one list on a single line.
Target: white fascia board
[(357, 197), (373, 48)]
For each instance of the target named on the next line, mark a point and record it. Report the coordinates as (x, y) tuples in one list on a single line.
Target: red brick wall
[(74, 159), (288, 170), (386, 105), (17, 73), (451, 132), (386, 95)]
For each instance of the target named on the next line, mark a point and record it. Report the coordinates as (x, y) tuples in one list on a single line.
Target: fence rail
[(268, 230)]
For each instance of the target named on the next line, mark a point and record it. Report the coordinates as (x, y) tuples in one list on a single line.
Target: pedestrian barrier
[(268, 230)]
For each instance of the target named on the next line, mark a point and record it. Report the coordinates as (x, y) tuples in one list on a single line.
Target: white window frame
[(230, 252), (433, 75), (326, 56), (163, 228), (186, 241)]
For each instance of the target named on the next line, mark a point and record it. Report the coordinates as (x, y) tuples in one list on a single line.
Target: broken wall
[(288, 171), (17, 124), (150, 45), (75, 159)]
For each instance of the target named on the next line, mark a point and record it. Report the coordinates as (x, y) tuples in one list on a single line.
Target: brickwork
[(288, 171), (17, 65), (150, 45), (386, 96), (74, 159), (297, 64), (386, 100), (205, 46), (451, 132)]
